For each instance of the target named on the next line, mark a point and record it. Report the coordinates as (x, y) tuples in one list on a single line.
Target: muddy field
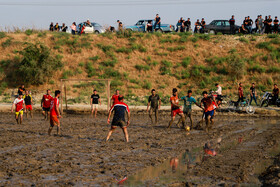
[(80, 156)]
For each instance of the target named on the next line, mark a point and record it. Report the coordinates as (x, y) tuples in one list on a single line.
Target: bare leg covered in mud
[(182, 119), (57, 131), (152, 110), (113, 129), (19, 118)]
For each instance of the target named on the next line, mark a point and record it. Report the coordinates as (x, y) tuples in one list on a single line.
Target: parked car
[(140, 26), (94, 28), (221, 26)]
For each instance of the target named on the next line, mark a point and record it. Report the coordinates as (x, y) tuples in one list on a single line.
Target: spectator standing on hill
[(157, 22), (269, 25), (245, 23), (232, 25), (265, 25), (51, 27), (250, 24), (253, 94), (203, 23), (275, 93), (260, 25), (28, 103), (73, 28), (56, 27), (276, 25), (95, 101), (64, 28), (257, 23), (154, 103), (187, 25)]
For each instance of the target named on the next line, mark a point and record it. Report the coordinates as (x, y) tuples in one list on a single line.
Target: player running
[(175, 109), (46, 104), (94, 101), (54, 113), (208, 107), (188, 101), (19, 105), (120, 108), (155, 102), (115, 98), (28, 103)]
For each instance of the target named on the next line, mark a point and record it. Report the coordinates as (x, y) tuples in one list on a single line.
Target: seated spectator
[(88, 23), (112, 29), (197, 26), (120, 25), (243, 30), (83, 29), (180, 25), (56, 27), (149, 26), (187, 25), (73, 28), (51, 27), (64, 28), (276, 25)]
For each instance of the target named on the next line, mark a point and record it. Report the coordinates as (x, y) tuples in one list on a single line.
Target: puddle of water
[(171, 170)]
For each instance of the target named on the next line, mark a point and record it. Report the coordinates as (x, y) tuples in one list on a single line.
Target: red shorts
[(28, 107), (175, 112), (54, 120)]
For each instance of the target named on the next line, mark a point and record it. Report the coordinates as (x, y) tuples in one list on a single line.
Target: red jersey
[(47, 101), (208, 104), (176, 101), (54, 103), (19, 104), (115, 99), (240, 91)]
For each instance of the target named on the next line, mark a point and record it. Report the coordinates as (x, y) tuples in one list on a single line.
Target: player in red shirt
[(19, 105), (209, 105), (175, 109), (55, 114), (115, 98), (46, 104)]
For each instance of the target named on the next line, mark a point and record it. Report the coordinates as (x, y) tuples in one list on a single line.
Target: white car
[(93, 28)]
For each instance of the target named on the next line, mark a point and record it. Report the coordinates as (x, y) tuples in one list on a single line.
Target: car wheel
[(96, 32), (212, 32)]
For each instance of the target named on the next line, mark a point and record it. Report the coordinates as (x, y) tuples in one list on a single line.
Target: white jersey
[(219, 90)]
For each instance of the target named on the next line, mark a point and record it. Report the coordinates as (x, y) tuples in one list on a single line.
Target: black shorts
[(219, 98), (46, 109), (119, 123)]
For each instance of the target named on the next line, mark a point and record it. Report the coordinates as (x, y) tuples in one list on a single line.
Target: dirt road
[(81, 156)]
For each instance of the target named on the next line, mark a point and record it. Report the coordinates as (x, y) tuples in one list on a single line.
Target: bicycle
[(234, 106)]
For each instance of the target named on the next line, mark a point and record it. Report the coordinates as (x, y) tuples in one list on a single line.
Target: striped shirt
[(120, 108)]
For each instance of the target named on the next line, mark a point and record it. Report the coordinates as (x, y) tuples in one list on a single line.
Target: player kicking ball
[(19, 106), (55, 114), (120, 108)]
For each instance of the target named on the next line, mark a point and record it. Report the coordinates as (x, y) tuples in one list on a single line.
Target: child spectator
[(73, 28)]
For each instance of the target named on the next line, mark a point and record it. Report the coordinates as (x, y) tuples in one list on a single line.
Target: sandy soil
[(81, 156)]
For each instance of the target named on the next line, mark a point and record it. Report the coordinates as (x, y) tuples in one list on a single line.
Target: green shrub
[(177, 48), (275, 41), (116, 83), (35, 66), (7, 43), (28, 32), (269, 81), (124, 50), (42, 34), (233, 50), (135, 81), (202, 84), (110, 63), (222, 71), (265, 45), (141, 67), (185, 74), (272, 36), (90, 69), (203, 36), (186, 61), (273, 69), (110, 72), (81, 64), (94, 58), (51, 82), (3, 86), (194, 39), (105, 48), (235, 66), (166, 63), (256, 68), (2, 35), (245, 40), (147, 85), (66, 74)]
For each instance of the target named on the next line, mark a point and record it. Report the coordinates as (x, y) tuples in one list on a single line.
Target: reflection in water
[(174, 164)]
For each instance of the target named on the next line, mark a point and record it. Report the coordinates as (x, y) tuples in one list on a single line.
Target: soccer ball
[(188, 128)]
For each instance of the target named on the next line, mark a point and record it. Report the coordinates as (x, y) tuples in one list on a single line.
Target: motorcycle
[(267, 99)]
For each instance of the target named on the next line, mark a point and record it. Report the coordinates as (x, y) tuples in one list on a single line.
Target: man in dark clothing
[(253, 94), (269, 25), (276, 25), (21, 90), (120, 108), (232, 25), (203, 23), (28, 103), (250, 23), (275, 93), (197, 26), (95, 101), (157, 22), (187, 24), (265, 25), (51, 27), (155, 102)]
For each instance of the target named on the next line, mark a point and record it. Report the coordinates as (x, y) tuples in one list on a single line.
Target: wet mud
[(245, 149)]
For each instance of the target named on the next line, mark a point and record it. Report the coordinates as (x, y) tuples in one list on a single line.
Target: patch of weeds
[(110, 72), (177, 48), (185, 74), (135, 81), (272, 36), (51, 82), (105, 48), (244, 40), (124, 50), (90, 69), (235, 66), (273, 69), (257, 68), (204, 36), (147, 85), (138, 47), (265, 45), (116, 83), (194, 39), (265, 58), (42, 34), (28, 32), (110, 63), (233, 50), (79, 70), (94, 58), (141, 67), (7, 43), (2, 35), (186, 61), (81, 64), (3, 86), (66, 74), (165, 67)]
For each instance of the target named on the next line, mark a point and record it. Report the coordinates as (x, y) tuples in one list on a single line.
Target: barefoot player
[(175, 109), (28, 103), (120, 108), (95, 101), (115, 98), (155, 102), (208, 107), (19, 105), (46, 104), (55, 114)]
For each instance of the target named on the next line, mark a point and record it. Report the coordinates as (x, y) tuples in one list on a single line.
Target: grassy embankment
[(138, 62)]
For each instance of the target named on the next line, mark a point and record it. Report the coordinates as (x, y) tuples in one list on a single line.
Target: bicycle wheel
[(231, 107), (250, 109)]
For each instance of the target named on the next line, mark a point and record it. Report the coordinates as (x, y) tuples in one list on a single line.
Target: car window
[(140, 22), (96, 24), (227, 24), (219, 23)]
